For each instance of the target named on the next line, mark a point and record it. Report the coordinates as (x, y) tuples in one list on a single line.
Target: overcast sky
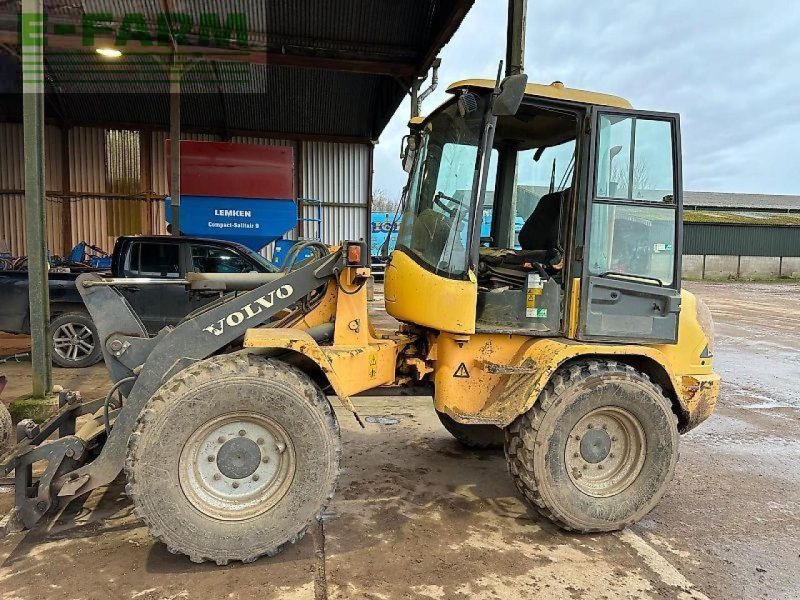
[(731, 69)]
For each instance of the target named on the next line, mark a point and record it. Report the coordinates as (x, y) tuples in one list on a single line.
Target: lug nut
[(590, 426), (221, 439), (599, 467), (210, 459), (242, 432), (576, 455), (256, 477), (577, 438), (605, 426), (585, 467), (610, 455), (235, 484), (260, 441), (613, 438), (265, 460), (217, 476)]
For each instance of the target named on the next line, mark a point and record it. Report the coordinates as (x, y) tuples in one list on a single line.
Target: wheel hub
[(595, 446), (73, 341), (238, 458), (605, 451), (237, 466)]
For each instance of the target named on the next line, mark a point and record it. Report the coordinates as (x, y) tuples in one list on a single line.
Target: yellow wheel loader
[(536, 282)]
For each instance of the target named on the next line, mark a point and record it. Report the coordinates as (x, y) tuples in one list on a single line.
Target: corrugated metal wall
[(12, 182), (741, 240), (338, 176), (335, 173)]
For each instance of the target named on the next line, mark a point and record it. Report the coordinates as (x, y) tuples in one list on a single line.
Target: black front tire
[(203, 500), (6, 428), (598, 449), (477, 437), (74, 341)]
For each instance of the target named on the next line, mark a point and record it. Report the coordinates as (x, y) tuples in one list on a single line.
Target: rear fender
[(515, 395)]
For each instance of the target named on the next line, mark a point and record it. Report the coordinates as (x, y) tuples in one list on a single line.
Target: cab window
[(435, 225), (634, 210)]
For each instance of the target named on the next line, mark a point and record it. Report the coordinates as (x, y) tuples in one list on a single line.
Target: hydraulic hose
[(113, 389)]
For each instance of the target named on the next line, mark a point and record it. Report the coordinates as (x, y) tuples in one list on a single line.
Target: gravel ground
[(416, 516)]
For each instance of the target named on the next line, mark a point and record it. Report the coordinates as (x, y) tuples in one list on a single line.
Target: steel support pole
[(32, 34), (515, 36), (175, 147)]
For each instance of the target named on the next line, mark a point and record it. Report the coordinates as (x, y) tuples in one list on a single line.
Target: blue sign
[(251, 222), (384, 225)]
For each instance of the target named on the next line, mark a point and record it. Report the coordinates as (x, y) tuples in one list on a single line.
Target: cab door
[(630, 288)]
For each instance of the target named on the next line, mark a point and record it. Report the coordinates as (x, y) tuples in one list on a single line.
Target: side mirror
[(508, 98), (408, 152)]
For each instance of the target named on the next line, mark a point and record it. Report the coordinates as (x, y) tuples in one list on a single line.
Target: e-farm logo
[(158, 42)]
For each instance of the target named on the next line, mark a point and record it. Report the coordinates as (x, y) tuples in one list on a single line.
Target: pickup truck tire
[(477, 437), (74, 340), (233, 458), (597, 450)]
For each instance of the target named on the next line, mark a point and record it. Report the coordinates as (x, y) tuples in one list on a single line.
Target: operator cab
[(561, 214)]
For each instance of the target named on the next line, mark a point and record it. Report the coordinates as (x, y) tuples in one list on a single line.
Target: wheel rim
[(605, 452), (73, 341), (237, 466)]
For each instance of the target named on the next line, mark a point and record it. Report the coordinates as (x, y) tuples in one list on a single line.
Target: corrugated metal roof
[(728, 201), (315, 99)]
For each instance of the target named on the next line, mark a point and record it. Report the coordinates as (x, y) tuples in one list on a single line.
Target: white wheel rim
[(73, 341), (605, 452), (237, 466)]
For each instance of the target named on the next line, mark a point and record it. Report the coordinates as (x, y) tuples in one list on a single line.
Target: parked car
[(72, 332)]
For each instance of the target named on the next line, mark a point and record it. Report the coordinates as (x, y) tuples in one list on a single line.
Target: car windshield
[(258, 259), (435, 225)]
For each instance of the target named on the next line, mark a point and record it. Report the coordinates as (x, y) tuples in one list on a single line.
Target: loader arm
[(155, 360)]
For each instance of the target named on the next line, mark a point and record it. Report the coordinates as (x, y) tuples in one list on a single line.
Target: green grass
[(696, 216), (38, 409)]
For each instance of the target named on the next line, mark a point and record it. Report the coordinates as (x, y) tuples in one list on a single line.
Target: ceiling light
[(109, 52)]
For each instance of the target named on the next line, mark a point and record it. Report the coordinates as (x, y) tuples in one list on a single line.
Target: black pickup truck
[(72, 332)]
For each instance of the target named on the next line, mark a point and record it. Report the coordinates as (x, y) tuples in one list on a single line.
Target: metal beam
[(35, 213), (175, 147), (66, 188), (394, 68), (515, 37)]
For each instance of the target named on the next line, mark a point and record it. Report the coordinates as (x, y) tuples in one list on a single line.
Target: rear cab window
[(155, 260)]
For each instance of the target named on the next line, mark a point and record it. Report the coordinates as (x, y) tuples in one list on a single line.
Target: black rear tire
[(598, 449), (74, 341), (477, 437), (233, 458)]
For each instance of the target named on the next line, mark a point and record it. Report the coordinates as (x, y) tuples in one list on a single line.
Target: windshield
[(258, 259), (435, 225)]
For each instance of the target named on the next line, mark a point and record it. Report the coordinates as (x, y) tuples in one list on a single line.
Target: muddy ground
[(416, 516)]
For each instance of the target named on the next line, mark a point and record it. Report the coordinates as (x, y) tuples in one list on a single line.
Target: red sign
[(235, 170)]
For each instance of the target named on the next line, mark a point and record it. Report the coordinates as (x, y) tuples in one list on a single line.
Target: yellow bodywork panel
[(414, 294), (357, 361), (555, 90), (493, 378)]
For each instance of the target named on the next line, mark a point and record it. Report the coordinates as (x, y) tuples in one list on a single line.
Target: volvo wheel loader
[(536, 282)]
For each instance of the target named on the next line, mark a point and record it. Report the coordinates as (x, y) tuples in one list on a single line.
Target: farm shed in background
[(312, 77)]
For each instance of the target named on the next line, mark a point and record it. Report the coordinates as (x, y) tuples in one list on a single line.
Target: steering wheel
[(441, 200)]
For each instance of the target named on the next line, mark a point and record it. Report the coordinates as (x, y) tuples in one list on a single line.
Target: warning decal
[(461, 372)]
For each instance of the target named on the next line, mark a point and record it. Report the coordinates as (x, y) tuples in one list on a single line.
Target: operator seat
[(540, 231)]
